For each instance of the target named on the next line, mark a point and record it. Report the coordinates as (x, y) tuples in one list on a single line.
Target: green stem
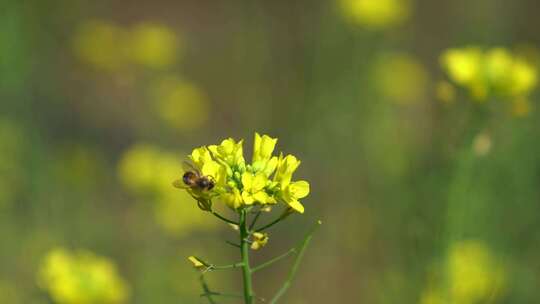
[(220, 294), (232, 244), (223, 267), (255, 220), (244, 251), (272, 261), (279, 219), (219, 216), (206, 289), (296, 264)]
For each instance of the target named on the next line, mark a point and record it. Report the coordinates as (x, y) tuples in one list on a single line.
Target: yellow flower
[(376, 14), (263, 147), (401, 78), (474, 273), (100, 44), (293, 192), (198, 264), (254, 189), (285, 169), (259, 240), (240, 185), (230, 152), (81, 277), (180, 104), (488, 73), (233, 199), (153, 45), (203, 160), (463, 65), (523, 77)]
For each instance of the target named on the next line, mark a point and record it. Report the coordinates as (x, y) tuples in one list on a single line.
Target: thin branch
[(232, 244), (219, 216), (279, 219), (296, 264), (255, 220), (272, 261), (223, 267), (220, 294), (206, 289)]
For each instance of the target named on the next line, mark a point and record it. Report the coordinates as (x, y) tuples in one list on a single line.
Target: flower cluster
[(489, 73), (266, 181), (81, 277)]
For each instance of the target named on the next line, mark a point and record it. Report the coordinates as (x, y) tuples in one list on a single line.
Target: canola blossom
[(379, 14), (110, 47), (266, 181), (491, 73), (472, 275), (220, 173), (81, 277)]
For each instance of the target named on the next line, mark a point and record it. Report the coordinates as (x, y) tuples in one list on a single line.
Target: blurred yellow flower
[(100, 44), (401, 78), (376, 14), (81, 277), (180, 104), (489, 73), (153, 45), (109, 47), (473, 272), (472, 275), (147, 171)]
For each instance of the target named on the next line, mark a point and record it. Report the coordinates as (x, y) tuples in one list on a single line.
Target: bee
[(193, 179)]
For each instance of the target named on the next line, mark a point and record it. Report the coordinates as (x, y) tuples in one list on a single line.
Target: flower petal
[(296, 206), (299, 189)]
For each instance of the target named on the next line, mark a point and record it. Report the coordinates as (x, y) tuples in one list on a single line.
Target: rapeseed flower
[(490, 73), (376, 14), (259, 240), (266, 181), (472, 274), (81, 277)]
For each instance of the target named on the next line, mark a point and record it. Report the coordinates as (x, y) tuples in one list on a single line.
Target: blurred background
[(415, 122)]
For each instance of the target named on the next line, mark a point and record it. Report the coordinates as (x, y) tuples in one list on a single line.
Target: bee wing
[(187, 166), (179, 184)]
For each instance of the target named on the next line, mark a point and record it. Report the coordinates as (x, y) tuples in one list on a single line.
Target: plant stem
[(279, 219), (255, 220), (244, 252), (206, 289), (272, 261), (219, 216), (296, 264)]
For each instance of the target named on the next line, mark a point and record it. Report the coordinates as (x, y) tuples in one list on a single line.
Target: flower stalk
[(220, 173), (244, 253)]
